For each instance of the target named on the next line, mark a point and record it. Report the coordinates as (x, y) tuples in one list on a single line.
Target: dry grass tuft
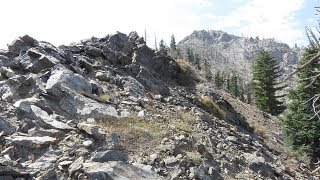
[(189, 71), (105, 97), (199, 87), (208, 103), (258, 128)]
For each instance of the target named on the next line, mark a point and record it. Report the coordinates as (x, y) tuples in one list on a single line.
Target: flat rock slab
[(116, 170), (48, 120), (109, 155), (44, 163), (76, 165), (33, 142), (94, 130), (11, 171)]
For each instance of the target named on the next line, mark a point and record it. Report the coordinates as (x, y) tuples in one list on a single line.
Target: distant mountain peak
[(228, 52)]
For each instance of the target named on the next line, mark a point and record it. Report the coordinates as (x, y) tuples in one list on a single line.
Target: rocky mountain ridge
[(231, 53), (112, 108)]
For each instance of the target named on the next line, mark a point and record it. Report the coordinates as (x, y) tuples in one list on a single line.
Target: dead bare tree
[(314, 42), (308, 170), (312, 169)]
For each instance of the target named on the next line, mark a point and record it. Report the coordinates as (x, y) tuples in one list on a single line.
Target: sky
[(67, 21)]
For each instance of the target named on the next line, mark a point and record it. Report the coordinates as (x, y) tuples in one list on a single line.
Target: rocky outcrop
[(230, 53), (112, 108)]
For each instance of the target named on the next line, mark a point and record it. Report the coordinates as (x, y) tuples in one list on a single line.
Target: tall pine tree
[(266, 71), (190, 56), (302, 126), (197, 61), (218, 79), (173, 45), (207, 70), (233, 84), (162, 46)]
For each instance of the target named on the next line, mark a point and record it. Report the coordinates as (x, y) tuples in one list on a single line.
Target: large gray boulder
[(35, 60), (6, 127), (75, 95), (22, 44), (62, 76), (258, 164), (44, 163), (93, 51), (85, 105), (4, 60), (134, 87)]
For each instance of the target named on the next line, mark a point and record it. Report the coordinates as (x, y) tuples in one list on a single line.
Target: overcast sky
[(66, 21)]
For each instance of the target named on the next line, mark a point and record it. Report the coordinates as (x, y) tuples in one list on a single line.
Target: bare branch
[(315, 108), (314, 78), (306, 169), (311, 61), (314, 171)]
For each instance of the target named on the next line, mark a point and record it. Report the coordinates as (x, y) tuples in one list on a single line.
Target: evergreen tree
[(190, 55), (155, 42), (248, 92), (162, 45), (302, 126), (179, 55), (234, 89), (197, 61), (218, 79), (241, 92), (173, 45), (228, 83), (207, 70), (265, 73), (241, 95)]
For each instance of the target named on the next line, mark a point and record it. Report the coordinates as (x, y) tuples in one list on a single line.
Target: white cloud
[(61, 21), (65, 21), (272, 18)]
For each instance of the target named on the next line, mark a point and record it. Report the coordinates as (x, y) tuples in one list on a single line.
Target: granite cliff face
[(112, 108), (229, 53)]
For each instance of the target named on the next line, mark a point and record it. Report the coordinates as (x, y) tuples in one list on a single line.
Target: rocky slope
[(112, 108), (232, 53)]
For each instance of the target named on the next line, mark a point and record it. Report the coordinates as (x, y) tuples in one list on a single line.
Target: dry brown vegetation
[(210, 105), (259, 128), (142, 134), (189, 72)]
